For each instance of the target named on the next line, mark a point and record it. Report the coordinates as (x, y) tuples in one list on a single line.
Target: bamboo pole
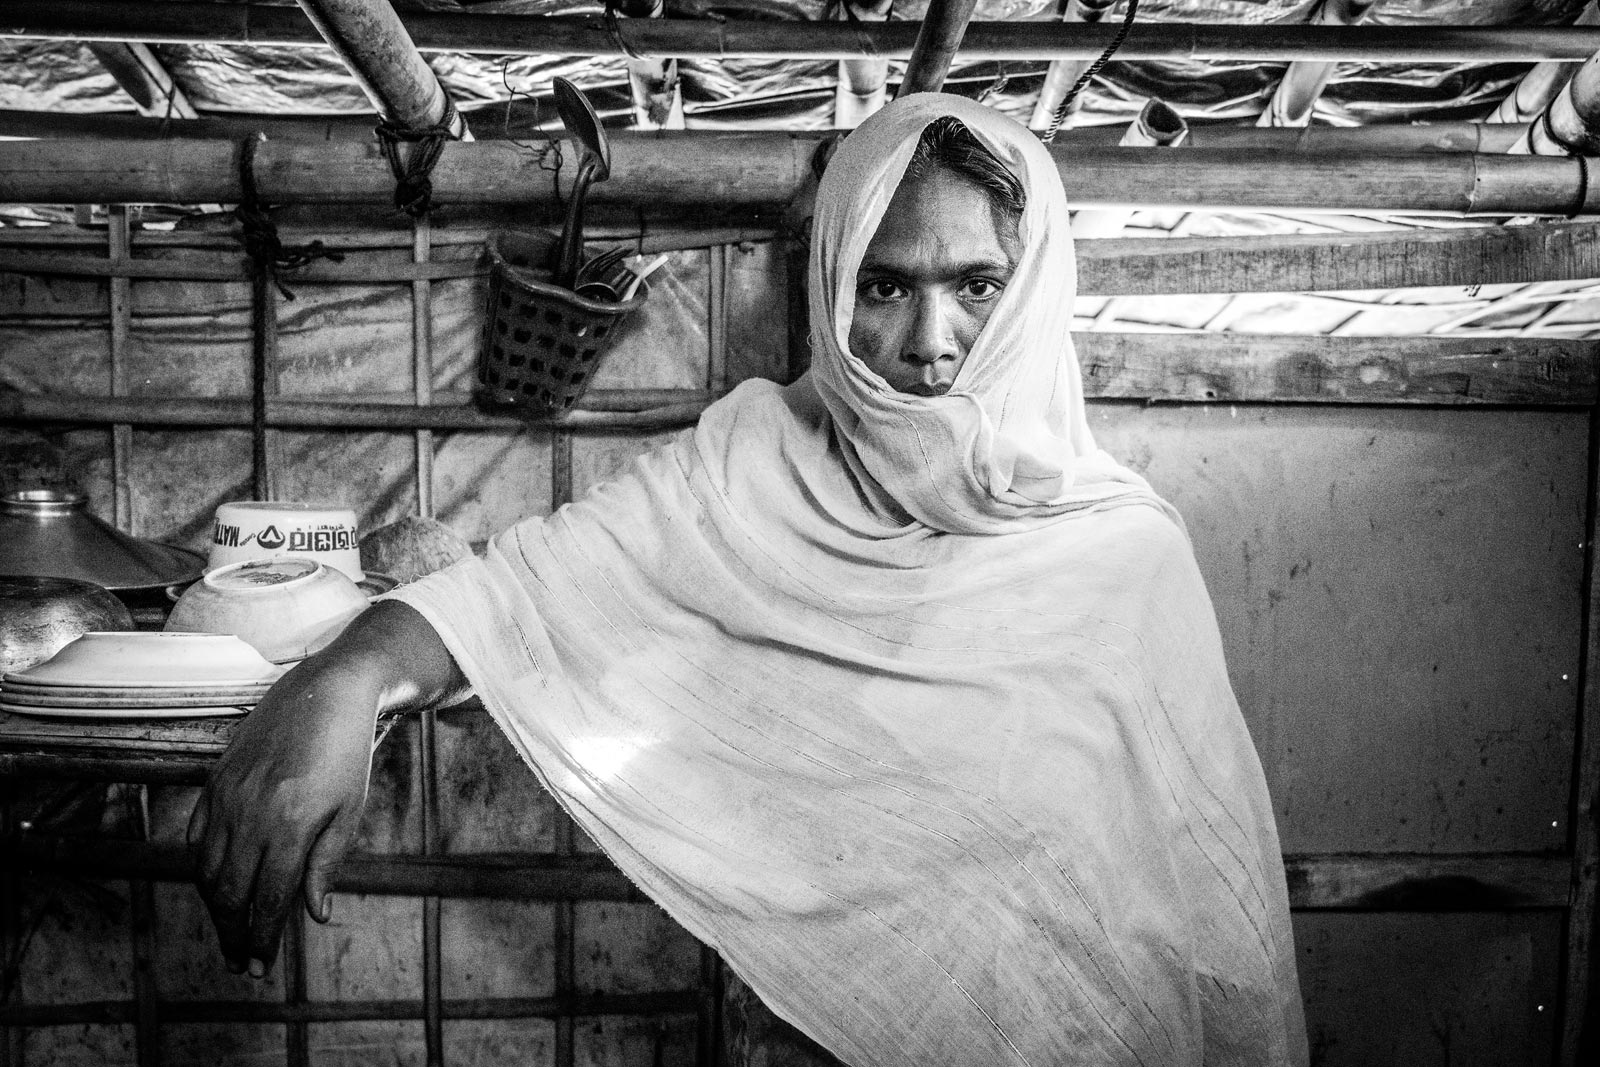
[(373, 43), (1296, 95), (337, 415), (1156, 126), (1571, 124), (652, 81), (1452, 136), (260, 1012), (739, 171), (143, 76), (1063, 73), (1540, 85), (188, 22), (943, 26), (863, 83)]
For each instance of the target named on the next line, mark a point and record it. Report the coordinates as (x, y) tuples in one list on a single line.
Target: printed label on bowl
[(324, 537)]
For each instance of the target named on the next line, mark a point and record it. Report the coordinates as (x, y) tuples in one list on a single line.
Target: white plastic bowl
[(246, 529), (137, 660), (286, 608)]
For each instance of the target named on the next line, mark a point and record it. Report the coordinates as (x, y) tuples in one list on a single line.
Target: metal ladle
[(594, 165)]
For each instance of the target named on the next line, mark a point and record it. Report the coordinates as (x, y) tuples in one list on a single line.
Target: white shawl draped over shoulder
[(913, 708)]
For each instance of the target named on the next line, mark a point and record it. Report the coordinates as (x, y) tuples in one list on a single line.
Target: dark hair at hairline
[(947, 144)]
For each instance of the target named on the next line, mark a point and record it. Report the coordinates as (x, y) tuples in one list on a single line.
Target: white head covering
[(1009, 445)]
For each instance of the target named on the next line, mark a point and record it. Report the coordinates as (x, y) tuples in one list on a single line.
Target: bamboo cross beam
[(731, 172), (187, 22), (943, 26)]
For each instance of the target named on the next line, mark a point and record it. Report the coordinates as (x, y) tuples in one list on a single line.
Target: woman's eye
[(982, 288), (881, 290)]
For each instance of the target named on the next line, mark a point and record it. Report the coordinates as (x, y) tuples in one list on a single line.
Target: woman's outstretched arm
[(283, 804)]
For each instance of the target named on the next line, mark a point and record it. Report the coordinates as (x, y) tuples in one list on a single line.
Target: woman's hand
[(283, 804)]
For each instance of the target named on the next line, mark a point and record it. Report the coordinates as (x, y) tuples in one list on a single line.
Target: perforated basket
[(543, 343)]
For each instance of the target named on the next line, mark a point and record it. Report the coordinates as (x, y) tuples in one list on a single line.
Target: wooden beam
[(1190, 367), (1486, 255), (669, 170), (180, 22), (1478, 255), (1228, 367)]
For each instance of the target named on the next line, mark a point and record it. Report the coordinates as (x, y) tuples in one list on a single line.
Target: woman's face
[(929, 282)]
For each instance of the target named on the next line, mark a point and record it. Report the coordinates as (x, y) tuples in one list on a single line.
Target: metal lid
[(50, 533)]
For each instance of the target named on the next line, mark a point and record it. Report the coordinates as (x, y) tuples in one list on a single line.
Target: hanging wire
[(1094, 68)]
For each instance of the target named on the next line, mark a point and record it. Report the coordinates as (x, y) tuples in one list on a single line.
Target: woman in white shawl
[(889, 685)]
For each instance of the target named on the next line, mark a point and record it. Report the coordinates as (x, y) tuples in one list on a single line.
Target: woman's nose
[(932, 336)]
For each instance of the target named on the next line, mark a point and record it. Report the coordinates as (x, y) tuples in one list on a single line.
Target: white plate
[(158, 699), (121, 713), (137, 659), (232, 694)]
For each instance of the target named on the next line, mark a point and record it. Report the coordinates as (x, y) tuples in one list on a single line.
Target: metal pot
[(40, 616)]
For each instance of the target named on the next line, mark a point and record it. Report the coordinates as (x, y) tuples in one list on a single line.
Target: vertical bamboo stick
[(263, 379), (296, 1037), (1581, 821), (121, 294), (432, 978), (943, 26), (10, 924), (146, 992), (422, 361), (717, 320), (563, 914)]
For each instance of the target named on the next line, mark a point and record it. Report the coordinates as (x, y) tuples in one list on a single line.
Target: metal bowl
[(40, 616)]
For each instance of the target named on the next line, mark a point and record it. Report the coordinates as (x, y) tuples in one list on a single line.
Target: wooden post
[(121, 293), (942, 29)]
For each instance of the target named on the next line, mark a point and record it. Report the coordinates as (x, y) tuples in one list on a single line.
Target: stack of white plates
[(138, 675)]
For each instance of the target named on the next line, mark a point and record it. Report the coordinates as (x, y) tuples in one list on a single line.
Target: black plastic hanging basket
[(543, 343)]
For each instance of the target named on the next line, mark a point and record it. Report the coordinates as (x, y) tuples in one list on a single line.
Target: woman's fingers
[(329, 847), (228, 888)]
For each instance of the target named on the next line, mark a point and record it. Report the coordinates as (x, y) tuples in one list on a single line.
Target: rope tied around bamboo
[(413, 173), (259, 234)]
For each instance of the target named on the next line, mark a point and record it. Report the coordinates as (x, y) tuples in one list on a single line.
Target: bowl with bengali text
[(245, 530)]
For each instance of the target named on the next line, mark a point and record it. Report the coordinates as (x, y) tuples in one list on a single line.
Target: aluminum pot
[(40, 616)]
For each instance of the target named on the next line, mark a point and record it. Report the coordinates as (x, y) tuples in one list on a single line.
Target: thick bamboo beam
[(744, 171), (1325, 140), (372, 41), (943, 25), (179, 22)]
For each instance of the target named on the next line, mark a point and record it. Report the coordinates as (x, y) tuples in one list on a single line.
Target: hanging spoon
[(594, 165)]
